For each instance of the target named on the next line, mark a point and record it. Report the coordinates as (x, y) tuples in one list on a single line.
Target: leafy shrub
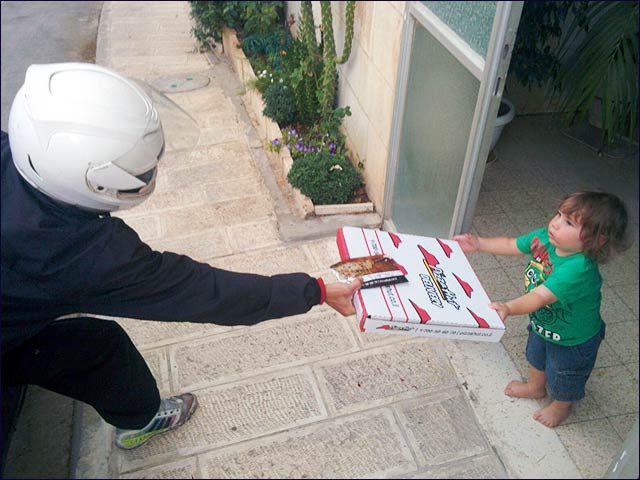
[(264, 45), (279, 104), (246, 18), (261, 17), (324, 178), (209, 21)]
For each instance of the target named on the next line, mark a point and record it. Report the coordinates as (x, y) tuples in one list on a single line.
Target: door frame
[(491, 71)]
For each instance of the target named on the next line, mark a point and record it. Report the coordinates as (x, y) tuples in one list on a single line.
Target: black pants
[(90, 360)]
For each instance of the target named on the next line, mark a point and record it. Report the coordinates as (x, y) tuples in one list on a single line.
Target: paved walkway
[(307, 396)]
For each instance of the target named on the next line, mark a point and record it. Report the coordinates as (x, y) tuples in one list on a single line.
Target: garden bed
[(269, 130)]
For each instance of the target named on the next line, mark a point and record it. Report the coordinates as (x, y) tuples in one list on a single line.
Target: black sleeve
[(131, 280)]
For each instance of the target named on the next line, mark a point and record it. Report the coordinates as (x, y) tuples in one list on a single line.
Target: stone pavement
[(306, 396)]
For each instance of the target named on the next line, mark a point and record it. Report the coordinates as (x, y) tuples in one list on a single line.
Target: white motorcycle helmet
[(85, 135)]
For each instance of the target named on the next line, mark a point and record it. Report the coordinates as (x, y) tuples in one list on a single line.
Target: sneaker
[(173, 412)]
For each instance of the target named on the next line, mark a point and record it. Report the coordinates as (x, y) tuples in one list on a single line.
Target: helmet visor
[(149, 178), (181, 131)]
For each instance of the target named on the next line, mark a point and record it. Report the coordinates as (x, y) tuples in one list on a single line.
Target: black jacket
[(58, 259)]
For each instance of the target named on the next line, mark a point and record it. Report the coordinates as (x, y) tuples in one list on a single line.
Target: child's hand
[(502, 309), (468, 242)]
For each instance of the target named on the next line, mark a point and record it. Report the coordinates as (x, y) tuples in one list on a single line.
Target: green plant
[(302, 74), (308, 29), (264, 79), (265, 45), (279, 104), (247, 18), (324, 178), (209, 21), (262, 17), (321, 137), (602, 62), (329, 77), (534, 59)]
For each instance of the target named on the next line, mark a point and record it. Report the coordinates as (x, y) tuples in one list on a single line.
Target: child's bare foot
[(519, 389), (553, 414)]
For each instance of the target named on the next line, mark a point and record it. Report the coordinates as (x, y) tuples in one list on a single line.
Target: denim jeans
[(567, 368)]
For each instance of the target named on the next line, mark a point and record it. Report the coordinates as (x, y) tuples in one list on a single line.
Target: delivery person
[(85, 141)]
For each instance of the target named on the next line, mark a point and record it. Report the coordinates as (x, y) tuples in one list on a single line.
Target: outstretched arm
[(495, 245), (132, 280), (527, 303)]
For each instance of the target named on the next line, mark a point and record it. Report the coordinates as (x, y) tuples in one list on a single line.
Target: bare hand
[(340, 296), (468, 242), (502, 309)]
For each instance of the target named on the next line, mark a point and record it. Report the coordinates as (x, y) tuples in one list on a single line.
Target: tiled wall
[(367, 82)]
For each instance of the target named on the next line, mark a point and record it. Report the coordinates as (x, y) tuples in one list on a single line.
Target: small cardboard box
[(442, 298)]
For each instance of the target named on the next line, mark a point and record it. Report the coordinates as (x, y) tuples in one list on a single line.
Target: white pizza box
[(442, 298)]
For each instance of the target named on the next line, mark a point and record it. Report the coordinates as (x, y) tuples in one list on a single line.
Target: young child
[(562, 298)]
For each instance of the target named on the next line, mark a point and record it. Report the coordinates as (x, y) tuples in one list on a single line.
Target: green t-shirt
[(573, 279)]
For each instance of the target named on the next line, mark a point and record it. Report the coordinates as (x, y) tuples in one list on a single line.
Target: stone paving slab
[(268, 262), (591, 458), (216, 176), (250, 236), (276, 344), (200, 246), (442, 428), (164, 199), (204, 155), (359, 446), (384, 375), (474, 467), (235, 412), (147, 334), (186, 468)]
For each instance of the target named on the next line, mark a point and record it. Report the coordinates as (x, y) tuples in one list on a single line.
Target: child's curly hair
[(603, 218)]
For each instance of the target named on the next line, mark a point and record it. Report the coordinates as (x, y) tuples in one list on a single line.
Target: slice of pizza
[(374, 271)]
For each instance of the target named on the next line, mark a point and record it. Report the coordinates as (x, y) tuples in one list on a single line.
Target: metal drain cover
[(181, 83)]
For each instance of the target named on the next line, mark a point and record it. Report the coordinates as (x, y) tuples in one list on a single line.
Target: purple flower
[(293, 131), (299, 146), (275, 141)]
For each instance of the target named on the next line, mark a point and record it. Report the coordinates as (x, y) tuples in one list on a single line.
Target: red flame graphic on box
[(429, 258), (445, 248), (482, 323), (395, 239), (465, 286), (422, 313)]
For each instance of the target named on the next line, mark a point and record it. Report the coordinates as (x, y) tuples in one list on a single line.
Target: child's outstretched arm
[(527, 303), (495, 245)]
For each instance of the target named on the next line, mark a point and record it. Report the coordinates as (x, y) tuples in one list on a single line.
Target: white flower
[(335, 167), (281, 80)]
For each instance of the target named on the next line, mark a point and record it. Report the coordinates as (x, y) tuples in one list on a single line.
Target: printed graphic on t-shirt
[(540, 266), (546, 319)]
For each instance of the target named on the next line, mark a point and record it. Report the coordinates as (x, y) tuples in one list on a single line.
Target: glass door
[(454, 58)]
